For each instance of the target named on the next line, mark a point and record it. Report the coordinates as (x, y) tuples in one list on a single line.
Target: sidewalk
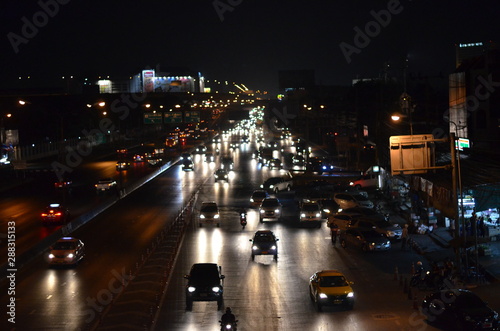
[(435, 246)]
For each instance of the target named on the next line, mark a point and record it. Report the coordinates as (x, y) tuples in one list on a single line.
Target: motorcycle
[(228, 326), (243, 219), (428, 281)]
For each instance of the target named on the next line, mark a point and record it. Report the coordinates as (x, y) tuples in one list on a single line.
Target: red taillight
[(44, 215), (58, 214)]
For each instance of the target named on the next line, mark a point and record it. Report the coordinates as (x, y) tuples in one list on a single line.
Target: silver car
[(270, 208)]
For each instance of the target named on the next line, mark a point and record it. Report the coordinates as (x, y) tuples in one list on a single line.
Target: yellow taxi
[(330, 287)]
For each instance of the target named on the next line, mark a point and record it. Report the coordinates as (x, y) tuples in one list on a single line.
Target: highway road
[(264, 294)]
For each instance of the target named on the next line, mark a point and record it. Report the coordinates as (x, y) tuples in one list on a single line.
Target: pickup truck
[(105, 184)]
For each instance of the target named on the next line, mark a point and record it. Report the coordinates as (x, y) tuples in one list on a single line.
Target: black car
[(204, 284), (459, 310), (264, 242), (367, 240), (221, 174), (187, 165)]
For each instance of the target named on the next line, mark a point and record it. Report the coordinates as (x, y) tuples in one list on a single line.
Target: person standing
[(404, 237)]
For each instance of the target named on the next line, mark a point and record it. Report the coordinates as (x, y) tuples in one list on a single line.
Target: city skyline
[(247, 42)]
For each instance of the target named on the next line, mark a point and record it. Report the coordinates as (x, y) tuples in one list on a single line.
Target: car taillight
[(44, 215)]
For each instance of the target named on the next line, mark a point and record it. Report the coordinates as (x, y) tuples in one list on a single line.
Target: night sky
[(243, 41)]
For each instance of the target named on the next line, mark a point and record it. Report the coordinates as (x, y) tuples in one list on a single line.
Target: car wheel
[(357, 187), (343, 243), (276, 191), (276, 257), (200, 225), (349, 305), (253, 257), (218, 224), (261, 220), (220, 303), (318, 305), (189, 305)]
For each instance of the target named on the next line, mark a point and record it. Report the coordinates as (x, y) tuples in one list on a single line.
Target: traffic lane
[(115, 241), (24, 204), (265, 294)]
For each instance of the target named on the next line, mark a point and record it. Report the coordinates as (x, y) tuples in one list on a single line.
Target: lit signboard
[(173, 117), (152, 118), (191, 117)]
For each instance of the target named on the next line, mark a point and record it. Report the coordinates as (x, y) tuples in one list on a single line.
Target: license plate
[(337, 302), (264, 252), (203, 294), (487, 325)]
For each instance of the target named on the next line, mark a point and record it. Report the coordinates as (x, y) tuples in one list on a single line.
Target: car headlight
[(262, 211), (351, 183), (277, 211), (318, 214), (216, 216), (302, 215), (350, 295), (51, 256), (261, 186), (251, 200), (191, 289), (71, 255), (323, 296), (273, 247), (255, 247), (371, 244), (271, 186), (326, 210), (391, 233), (215, 289), (202, 216)]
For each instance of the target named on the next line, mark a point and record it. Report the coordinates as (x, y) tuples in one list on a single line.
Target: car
[(366, 239), (328, 207), (391, 231), (277, 184), (330, 287), (227, 163), (122, 165), (274, 164), (66, 251), (366, 181), (200, 149), (209, 157), (310, 211), (105, 185), (459, 309), (187, 165), (209, 213), (155, 161), (264, 242), (270, 208), (342, 220), (55, 213), (204, 284), (221, 174), (349, 200), (139, 158), (257, 197), (63, 184), (185, 156)]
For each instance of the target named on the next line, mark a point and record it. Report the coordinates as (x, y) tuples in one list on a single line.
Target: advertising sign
[(148, 81), (191, 116)]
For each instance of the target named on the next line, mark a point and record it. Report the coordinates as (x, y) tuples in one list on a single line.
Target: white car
[(209, 213), (351, 200), (270, 208), (67, 251)]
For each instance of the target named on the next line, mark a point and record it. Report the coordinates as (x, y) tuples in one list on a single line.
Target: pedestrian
[(334, 229), (481, 226), (404, 237)]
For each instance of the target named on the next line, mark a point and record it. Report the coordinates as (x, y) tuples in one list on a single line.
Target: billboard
[(411, 154), (148, 80)]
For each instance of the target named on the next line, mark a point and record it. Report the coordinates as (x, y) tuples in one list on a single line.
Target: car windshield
[(270, 203), (209, 209), (310, 207), (263, 238), (272, 181), (64, 246), (333, 281)]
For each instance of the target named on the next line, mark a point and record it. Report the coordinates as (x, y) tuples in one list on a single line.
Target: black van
[(204, 284)]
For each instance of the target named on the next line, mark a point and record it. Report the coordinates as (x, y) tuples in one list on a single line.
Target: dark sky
[(251, 42)]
